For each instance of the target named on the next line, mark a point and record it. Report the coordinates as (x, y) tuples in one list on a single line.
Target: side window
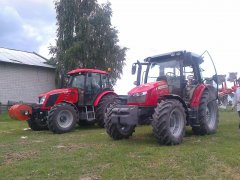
[(105, 81), (93, 83), (188, 73), (78, 81)]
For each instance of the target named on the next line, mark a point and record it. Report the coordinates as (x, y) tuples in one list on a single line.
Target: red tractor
[(173, 93), (84, 101)]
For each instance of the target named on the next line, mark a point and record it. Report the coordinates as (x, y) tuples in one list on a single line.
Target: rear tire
[(117, 131), (101, 108), (62, 118), (169, 122), (37, 124), (207, 115)]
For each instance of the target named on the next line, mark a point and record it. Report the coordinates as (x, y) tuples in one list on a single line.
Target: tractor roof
[(173, 55), (87, 70)]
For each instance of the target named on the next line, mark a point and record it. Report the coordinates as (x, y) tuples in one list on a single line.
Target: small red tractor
[(173, 91), (84, 101)]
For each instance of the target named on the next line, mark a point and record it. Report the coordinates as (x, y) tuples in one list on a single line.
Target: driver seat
[(162, 78)]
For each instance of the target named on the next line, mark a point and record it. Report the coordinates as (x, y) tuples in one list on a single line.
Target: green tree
[(86, 38)]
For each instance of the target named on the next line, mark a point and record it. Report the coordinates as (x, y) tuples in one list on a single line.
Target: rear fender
[(196, 97), (101, 95)]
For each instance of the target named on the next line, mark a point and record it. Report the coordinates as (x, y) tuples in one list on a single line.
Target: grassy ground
[(88, 153)]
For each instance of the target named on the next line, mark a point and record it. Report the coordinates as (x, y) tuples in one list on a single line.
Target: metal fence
[(4, 107)]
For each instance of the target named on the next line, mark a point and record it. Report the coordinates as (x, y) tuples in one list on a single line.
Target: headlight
[(140, 94), (42, 99), (137, 97)]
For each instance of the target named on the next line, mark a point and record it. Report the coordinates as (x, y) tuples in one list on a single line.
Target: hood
[(58, 91), (146, 87)]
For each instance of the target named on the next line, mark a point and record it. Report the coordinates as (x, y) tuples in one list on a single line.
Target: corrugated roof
[(23, 57)]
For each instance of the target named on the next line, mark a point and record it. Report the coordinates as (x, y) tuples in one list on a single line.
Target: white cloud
[(156, 26)]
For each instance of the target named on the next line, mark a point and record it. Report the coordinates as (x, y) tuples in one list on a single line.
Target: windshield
[(76, 81), (163, 70)]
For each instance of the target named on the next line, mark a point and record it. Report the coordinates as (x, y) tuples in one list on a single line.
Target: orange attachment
[(21, 112)]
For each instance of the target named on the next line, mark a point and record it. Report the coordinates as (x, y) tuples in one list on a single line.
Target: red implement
[(20, 112)]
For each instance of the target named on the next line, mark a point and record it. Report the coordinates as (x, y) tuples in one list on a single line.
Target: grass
[(88, 153)]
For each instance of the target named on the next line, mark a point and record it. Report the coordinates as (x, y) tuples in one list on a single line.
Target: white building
[(24, 75)]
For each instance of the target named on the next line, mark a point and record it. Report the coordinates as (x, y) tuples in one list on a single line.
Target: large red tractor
[(175, 91), (83, 101)]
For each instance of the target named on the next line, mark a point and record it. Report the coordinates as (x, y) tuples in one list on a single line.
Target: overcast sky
[(146, 27)]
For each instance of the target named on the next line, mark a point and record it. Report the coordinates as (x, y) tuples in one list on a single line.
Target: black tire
[(62, 118), (207, 116), (169, 121), (101, 108), (117, 131), (37, 124)]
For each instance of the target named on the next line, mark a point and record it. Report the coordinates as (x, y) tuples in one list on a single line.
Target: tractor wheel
[(37, 124), (62, 118), (101, 108), (117, 131), (207, 116), (169, 122)]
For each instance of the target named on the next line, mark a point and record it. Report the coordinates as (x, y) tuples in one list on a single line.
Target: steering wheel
[(190, 77), (170, 74)]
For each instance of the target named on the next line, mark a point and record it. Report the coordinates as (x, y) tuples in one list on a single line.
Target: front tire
[(101, 108), (169, 122), (117, 131), (207, 115), (37, 124), (62, 118)]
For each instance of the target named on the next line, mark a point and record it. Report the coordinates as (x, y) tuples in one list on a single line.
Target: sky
[(146, 27)]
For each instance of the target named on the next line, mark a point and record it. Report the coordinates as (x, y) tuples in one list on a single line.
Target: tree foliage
[(86, 38)]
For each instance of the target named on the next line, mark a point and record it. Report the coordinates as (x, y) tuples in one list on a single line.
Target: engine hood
[(58, 91), (146, 87)]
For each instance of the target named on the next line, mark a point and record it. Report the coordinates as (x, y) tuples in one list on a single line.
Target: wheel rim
[(65, 118), (176, 123), (210, 116)]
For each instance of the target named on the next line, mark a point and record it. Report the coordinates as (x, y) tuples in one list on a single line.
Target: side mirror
[(134, 67)]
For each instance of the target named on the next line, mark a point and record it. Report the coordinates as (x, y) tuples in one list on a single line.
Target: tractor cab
[(89, 82), (180, 71)]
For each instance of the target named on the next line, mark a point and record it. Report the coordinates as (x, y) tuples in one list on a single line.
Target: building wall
[(24, 83)]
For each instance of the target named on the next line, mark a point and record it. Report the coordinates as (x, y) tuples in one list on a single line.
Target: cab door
[(92, 88)]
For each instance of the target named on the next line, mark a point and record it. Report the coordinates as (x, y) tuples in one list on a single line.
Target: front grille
[(136, 99)]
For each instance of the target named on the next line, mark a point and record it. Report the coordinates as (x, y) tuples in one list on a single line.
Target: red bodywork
[(156, 90), (101, 95), (68, 95), (87, 70), (153, 90), (197, 95)]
